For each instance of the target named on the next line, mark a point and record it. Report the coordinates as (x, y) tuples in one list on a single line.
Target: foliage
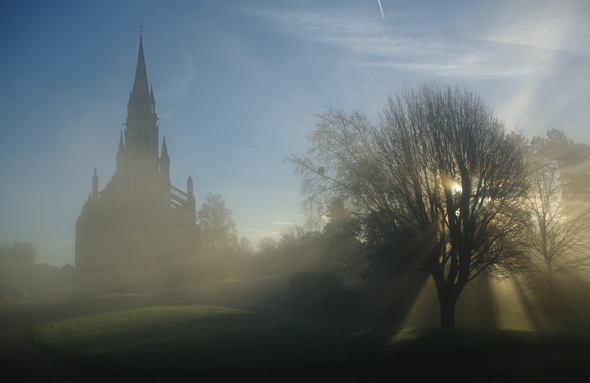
[(436, 183)]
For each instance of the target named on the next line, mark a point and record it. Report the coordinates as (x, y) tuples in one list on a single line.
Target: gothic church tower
[(139, 228)]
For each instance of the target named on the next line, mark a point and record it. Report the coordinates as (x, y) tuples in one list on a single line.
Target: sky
[(237, 85)]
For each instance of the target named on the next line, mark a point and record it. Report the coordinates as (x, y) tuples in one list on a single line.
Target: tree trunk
[(447, 314), (447, 300)]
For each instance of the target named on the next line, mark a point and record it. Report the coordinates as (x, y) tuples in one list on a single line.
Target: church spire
[(95, 185), (140, 87), (165, 163), (121, 154), (141, 100), (164, 148), (121, 144), (141, 135)]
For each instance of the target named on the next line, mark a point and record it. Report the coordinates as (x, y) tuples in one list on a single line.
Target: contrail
[(381, 8)]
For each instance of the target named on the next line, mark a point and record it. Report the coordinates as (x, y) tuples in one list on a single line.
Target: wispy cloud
[(503, 47), (283, 223), (257, 234)]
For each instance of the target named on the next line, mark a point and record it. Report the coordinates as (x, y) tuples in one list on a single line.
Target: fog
[(236, 89)]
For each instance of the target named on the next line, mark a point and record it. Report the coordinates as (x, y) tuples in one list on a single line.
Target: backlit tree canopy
[(436, 182)]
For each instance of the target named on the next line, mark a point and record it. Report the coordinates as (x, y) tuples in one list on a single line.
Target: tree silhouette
[(436, 182), (219, 237), (557, 235)]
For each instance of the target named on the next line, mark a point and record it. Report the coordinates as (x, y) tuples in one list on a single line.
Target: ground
[(22, 360)]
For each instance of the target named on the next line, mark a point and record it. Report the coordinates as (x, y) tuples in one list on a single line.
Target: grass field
[(153, 335)]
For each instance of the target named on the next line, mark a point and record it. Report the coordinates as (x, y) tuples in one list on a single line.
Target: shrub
[(322, 291)]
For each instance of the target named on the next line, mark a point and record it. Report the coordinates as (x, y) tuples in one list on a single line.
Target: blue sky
[(237, 84)]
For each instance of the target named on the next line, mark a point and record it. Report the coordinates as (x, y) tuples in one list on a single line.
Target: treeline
[(556, 234), (552, 231), (16, 263), (297, 250), (437, 184)]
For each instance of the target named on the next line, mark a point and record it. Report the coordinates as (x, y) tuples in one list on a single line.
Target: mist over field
[(322, 183)]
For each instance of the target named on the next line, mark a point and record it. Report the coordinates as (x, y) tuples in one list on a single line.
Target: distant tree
[(16, 262), (300, 249), (292, 236), (266, 260), (245, 246), (219, 236), (557, 234), (436, 182), (267, 246)]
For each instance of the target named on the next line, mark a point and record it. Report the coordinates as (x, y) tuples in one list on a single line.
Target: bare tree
[(245, 246), (218, 230), (557, 235), (436, 183), (292, 236)]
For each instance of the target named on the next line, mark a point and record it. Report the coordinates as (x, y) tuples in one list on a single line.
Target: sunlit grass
[(491, 305), (142, 334)]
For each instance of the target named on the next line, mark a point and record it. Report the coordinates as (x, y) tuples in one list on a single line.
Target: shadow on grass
[(165, 340), (135, 336), (452, 340), (147, 334)]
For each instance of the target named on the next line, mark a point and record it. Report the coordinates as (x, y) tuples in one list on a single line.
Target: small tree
[(436, 183), (219, 236), (557, 235)]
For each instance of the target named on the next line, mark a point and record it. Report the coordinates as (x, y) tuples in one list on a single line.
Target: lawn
[(144, 334)]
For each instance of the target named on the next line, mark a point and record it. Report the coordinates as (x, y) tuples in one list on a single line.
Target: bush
[(322, 291)]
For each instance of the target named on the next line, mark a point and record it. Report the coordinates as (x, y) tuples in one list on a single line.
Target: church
[(140, 228)]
